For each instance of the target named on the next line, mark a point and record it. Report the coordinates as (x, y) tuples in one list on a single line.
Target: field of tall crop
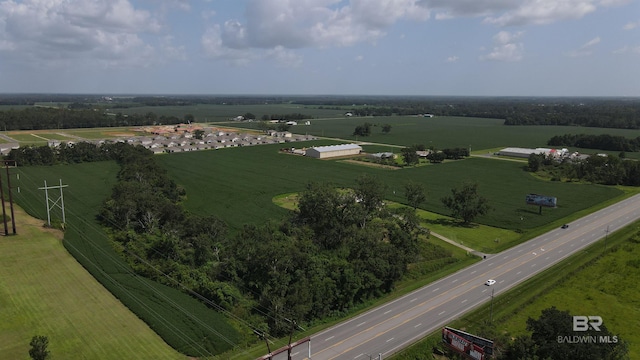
[(239, 184), (447, 132)]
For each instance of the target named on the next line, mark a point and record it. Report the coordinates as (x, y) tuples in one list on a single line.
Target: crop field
[(45, 291), (239, 184), (217, 113), (446, 132), (182, 321)]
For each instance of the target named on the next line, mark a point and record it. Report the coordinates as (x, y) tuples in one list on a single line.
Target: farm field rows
[(44, 291), (238, 185), (448, 132)]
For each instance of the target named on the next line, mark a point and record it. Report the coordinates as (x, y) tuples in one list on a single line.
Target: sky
[(330, 47)]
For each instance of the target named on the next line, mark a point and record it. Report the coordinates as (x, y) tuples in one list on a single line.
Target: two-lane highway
[(393, 326)]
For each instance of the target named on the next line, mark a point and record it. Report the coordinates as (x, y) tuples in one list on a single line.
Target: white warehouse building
[(325, 152), (524, 152)]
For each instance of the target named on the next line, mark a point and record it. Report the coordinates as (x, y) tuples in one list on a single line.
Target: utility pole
[(51, 203)]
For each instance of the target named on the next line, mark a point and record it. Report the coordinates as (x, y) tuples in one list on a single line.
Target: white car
[(490, 282)]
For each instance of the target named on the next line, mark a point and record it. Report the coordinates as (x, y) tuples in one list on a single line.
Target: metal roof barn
[(325, 152)]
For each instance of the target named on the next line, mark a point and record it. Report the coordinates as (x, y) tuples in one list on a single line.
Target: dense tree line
[(601, 142), (70, 153), (39, 118), (286, 117), (608, 170), (340, 248)]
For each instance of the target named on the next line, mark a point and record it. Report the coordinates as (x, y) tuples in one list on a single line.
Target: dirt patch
[(370, 164)]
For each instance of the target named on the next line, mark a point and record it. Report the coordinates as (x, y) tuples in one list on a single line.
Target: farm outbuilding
[(325, 152), (524, 152)]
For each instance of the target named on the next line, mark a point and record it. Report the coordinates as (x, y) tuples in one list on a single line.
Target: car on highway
[(489, 282), (565, 226)]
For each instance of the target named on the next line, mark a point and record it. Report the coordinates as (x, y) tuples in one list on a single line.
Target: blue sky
[(368, 47)]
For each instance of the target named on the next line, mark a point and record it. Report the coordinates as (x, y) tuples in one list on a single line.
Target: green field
[(238, 185), (448, 132), (44, 291), (182, 321), (217, 113)]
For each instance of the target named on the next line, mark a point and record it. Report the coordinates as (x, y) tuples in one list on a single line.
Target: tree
[(465, 203), (410, 156), (550, 328), (370, 192), (415, 194), (189, 118), (363, 130), (436, 157), (282, 127), (249, 116), (199, 134), (386, 128), (38, 349)]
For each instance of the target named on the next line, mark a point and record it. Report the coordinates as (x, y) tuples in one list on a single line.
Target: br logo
[(583, 323)]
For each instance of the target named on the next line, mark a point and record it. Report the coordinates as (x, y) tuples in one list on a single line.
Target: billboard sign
[(473, 347), (541, 200)]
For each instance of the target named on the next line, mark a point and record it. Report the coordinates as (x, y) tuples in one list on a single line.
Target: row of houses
[(210, 139)]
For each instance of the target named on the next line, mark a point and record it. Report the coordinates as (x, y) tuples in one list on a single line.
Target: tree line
[(340, 248), (607, 170), (600, 142), (41, 118)]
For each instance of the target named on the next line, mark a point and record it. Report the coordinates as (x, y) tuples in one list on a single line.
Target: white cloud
[(505, 47), (47, 32), (631, 25), (295, 24), (586, 49), (540, 12), (628, 50), (452, 59), (284, 57)]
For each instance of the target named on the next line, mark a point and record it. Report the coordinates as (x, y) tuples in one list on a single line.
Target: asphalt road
[(391, 327)]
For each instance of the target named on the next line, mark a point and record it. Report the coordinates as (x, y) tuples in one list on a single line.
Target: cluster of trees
[(607, 170), (69, 153), (411, 158), (38, 118), (340, 248), (552, 336), (286, 117), (601, 142), (365, 129)]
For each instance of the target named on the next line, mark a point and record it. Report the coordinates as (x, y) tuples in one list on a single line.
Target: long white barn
[(325, 152)]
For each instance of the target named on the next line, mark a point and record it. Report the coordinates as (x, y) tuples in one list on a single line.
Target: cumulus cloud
[(452, 59), (295, 24), (505, 47), (628, 50), (586, 49), (104, 30), (540, 12)]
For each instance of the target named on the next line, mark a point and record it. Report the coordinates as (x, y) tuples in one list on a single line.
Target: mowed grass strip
[(45, 291)]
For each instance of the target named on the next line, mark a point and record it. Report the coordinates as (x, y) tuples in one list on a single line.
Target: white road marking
[(464, 301), (560, 251), (389, 339), (490, 264), (506, 257), (484, 290), (521, 250), (436, 289), (547, 258), (501, 282), (473, 272), (329, 338), (418, 325), (535, 254), (518, 273), (362, 323), (414, 299), (386, 312), (441, 313), (454, 281), (541, 249), (533, 265)]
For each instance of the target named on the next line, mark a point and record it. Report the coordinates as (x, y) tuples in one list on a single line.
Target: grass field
[(45, 291), (239, 185), (184, 322)]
